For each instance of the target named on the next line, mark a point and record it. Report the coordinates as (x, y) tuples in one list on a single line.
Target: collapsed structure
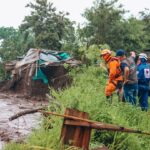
[(38, 70)]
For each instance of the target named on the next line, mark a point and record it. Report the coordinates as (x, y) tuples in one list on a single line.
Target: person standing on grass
[(130, 82), (143, 73), (115, 79)]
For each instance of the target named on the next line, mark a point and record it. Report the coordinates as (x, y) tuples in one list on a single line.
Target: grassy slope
[(87, 94)]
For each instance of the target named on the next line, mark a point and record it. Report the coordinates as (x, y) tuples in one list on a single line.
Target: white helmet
[(143, 55)]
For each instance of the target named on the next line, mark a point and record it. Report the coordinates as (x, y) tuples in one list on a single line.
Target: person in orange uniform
[(115, 79)]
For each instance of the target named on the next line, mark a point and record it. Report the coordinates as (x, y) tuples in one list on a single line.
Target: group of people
[(128, 77)]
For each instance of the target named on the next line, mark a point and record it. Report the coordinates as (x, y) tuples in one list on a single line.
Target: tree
[(133, 35), (49, 28), (104, 23), (14, 43), (145, 17), (6, 32)]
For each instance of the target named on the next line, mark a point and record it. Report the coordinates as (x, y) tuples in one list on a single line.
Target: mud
[(18, 129)]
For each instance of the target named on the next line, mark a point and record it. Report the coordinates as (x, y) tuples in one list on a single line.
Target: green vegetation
[(47, 26), (87, 94), (107, 24), (106, 27)]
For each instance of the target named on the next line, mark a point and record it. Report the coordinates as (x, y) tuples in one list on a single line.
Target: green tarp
[(40, 76)]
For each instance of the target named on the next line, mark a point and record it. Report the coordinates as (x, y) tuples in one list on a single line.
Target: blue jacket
[(143, 74)]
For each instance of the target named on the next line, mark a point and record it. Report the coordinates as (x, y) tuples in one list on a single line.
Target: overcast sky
[(12, 12)]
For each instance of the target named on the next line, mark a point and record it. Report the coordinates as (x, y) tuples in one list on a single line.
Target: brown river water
[(18, 129)]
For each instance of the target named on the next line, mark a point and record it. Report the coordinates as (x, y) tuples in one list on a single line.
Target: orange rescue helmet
[(106, 54)]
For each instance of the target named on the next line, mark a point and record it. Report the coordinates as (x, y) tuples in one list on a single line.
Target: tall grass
[(87, 94)]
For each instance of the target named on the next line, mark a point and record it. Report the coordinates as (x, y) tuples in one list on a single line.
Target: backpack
[(119, 72)]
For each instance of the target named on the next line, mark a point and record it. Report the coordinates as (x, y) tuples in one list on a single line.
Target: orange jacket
[(114, 69)]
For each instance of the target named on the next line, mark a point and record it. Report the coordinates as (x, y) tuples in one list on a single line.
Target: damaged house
[(39, 70)]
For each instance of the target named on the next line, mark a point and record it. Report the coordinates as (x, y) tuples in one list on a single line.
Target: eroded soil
[(18, 129)]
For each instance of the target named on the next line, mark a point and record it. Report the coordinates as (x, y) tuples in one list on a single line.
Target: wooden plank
[(86, 138), (75, 130), (64, 132), (86, 135), (77, 141)]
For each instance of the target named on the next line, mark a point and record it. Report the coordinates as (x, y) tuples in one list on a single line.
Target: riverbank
[(17, 130)]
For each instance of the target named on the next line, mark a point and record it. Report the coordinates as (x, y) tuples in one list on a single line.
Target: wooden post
[(76, 135)]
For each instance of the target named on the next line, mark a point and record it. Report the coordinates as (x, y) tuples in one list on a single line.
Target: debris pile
[(38, 70)]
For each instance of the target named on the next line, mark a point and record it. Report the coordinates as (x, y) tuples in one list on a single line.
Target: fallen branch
[(97, 125), (31, 111)]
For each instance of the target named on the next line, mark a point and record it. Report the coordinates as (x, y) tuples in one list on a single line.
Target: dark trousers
[(130, 93), (143, 98)]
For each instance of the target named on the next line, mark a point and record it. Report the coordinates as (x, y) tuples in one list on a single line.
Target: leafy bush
[(90, 55)]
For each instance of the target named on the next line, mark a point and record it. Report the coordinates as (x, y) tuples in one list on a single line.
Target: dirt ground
[(20, 128)]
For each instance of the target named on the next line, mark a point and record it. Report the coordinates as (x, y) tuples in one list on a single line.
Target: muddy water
[(18, 129)]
